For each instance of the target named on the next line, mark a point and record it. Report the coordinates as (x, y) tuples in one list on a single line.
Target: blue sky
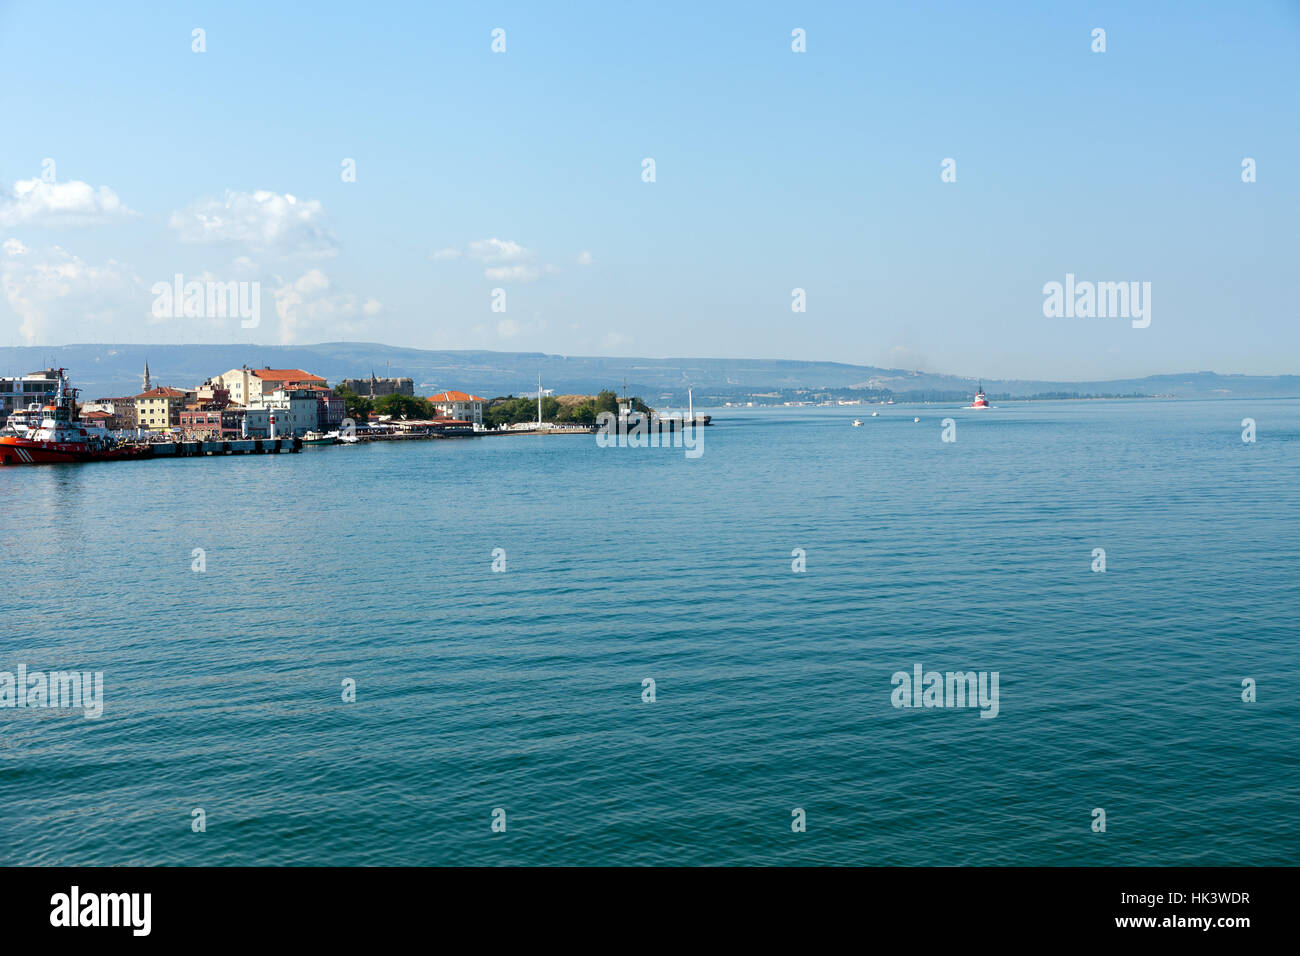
[(774, 170)]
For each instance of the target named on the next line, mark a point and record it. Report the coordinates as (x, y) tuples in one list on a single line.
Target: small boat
[(857, 423), (874, 414), (980, 401), (916, 419), (319, 438)]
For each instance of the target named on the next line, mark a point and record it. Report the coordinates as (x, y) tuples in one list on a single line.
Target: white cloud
[(585, 258), (504, 260), (307, 304), (265, 221), (35, 202), (58, 296), (498, 250)]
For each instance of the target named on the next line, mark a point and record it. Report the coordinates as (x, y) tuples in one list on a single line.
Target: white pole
[(690, 398), (539, 400)]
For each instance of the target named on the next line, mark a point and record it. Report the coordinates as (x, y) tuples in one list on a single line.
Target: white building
[(295, 410), (459, 405), (19, 391), (251, 386)]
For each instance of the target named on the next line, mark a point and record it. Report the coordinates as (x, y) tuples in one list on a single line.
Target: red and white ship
[(61, 438), (980, 400)]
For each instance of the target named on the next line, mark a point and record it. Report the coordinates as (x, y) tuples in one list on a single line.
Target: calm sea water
[(523, 690)]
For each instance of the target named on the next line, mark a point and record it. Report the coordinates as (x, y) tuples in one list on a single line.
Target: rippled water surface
[(522, 690)]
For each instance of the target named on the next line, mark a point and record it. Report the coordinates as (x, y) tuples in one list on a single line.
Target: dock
[(241, 446)]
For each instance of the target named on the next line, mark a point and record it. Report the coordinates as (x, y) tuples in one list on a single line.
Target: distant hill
[(103, 370)]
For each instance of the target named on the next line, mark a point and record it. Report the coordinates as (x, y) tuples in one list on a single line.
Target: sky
[(501, 198)]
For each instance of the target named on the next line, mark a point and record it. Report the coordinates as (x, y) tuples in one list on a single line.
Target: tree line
[(502, 410)]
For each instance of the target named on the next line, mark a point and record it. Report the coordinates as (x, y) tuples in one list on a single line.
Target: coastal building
[(331, 409), (121, 411), (113, 414), (250, 386), (373, 387), (159, 409), (212, 395), (254, 422), (459, 405), (19, 391), (200, 422), (98, 418), (296, 410), (212, 424)]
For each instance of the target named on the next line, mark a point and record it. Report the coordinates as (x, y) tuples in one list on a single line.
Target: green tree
[(511, 410), (404, 406), (356, 407), (607, 401), (584, 413)]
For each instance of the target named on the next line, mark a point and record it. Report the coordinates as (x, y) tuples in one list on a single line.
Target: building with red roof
[(252, 386), (459, 405)]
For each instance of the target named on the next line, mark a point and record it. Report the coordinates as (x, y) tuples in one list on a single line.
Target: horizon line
[(703, 358)]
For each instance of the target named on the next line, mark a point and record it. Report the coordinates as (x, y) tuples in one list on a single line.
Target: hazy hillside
[(116, 369)]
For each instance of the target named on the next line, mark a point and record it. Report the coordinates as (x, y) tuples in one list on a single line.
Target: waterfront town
[(254, 403), (236, 410)]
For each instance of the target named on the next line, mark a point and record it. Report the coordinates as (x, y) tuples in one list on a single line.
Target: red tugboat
[(61, 438), (980, 400)]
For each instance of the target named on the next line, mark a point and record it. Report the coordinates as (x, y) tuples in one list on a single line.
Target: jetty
[(240, 446)]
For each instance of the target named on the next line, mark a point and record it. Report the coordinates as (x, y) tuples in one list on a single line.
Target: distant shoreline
[(108, 369)]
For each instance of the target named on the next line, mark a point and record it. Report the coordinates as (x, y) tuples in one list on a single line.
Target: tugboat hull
[(25, 451)]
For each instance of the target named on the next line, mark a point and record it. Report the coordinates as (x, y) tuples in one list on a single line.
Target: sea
[(535, 650)]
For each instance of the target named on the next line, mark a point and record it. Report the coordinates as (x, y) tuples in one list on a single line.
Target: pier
[(241, 446)]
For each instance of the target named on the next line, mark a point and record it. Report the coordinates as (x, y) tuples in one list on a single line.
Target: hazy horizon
[(116, 368), (958, 373)]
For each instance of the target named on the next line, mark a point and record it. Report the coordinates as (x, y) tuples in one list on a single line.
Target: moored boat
[(61, 438)]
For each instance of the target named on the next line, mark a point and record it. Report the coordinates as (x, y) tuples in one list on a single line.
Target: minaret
[(146, 375)]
